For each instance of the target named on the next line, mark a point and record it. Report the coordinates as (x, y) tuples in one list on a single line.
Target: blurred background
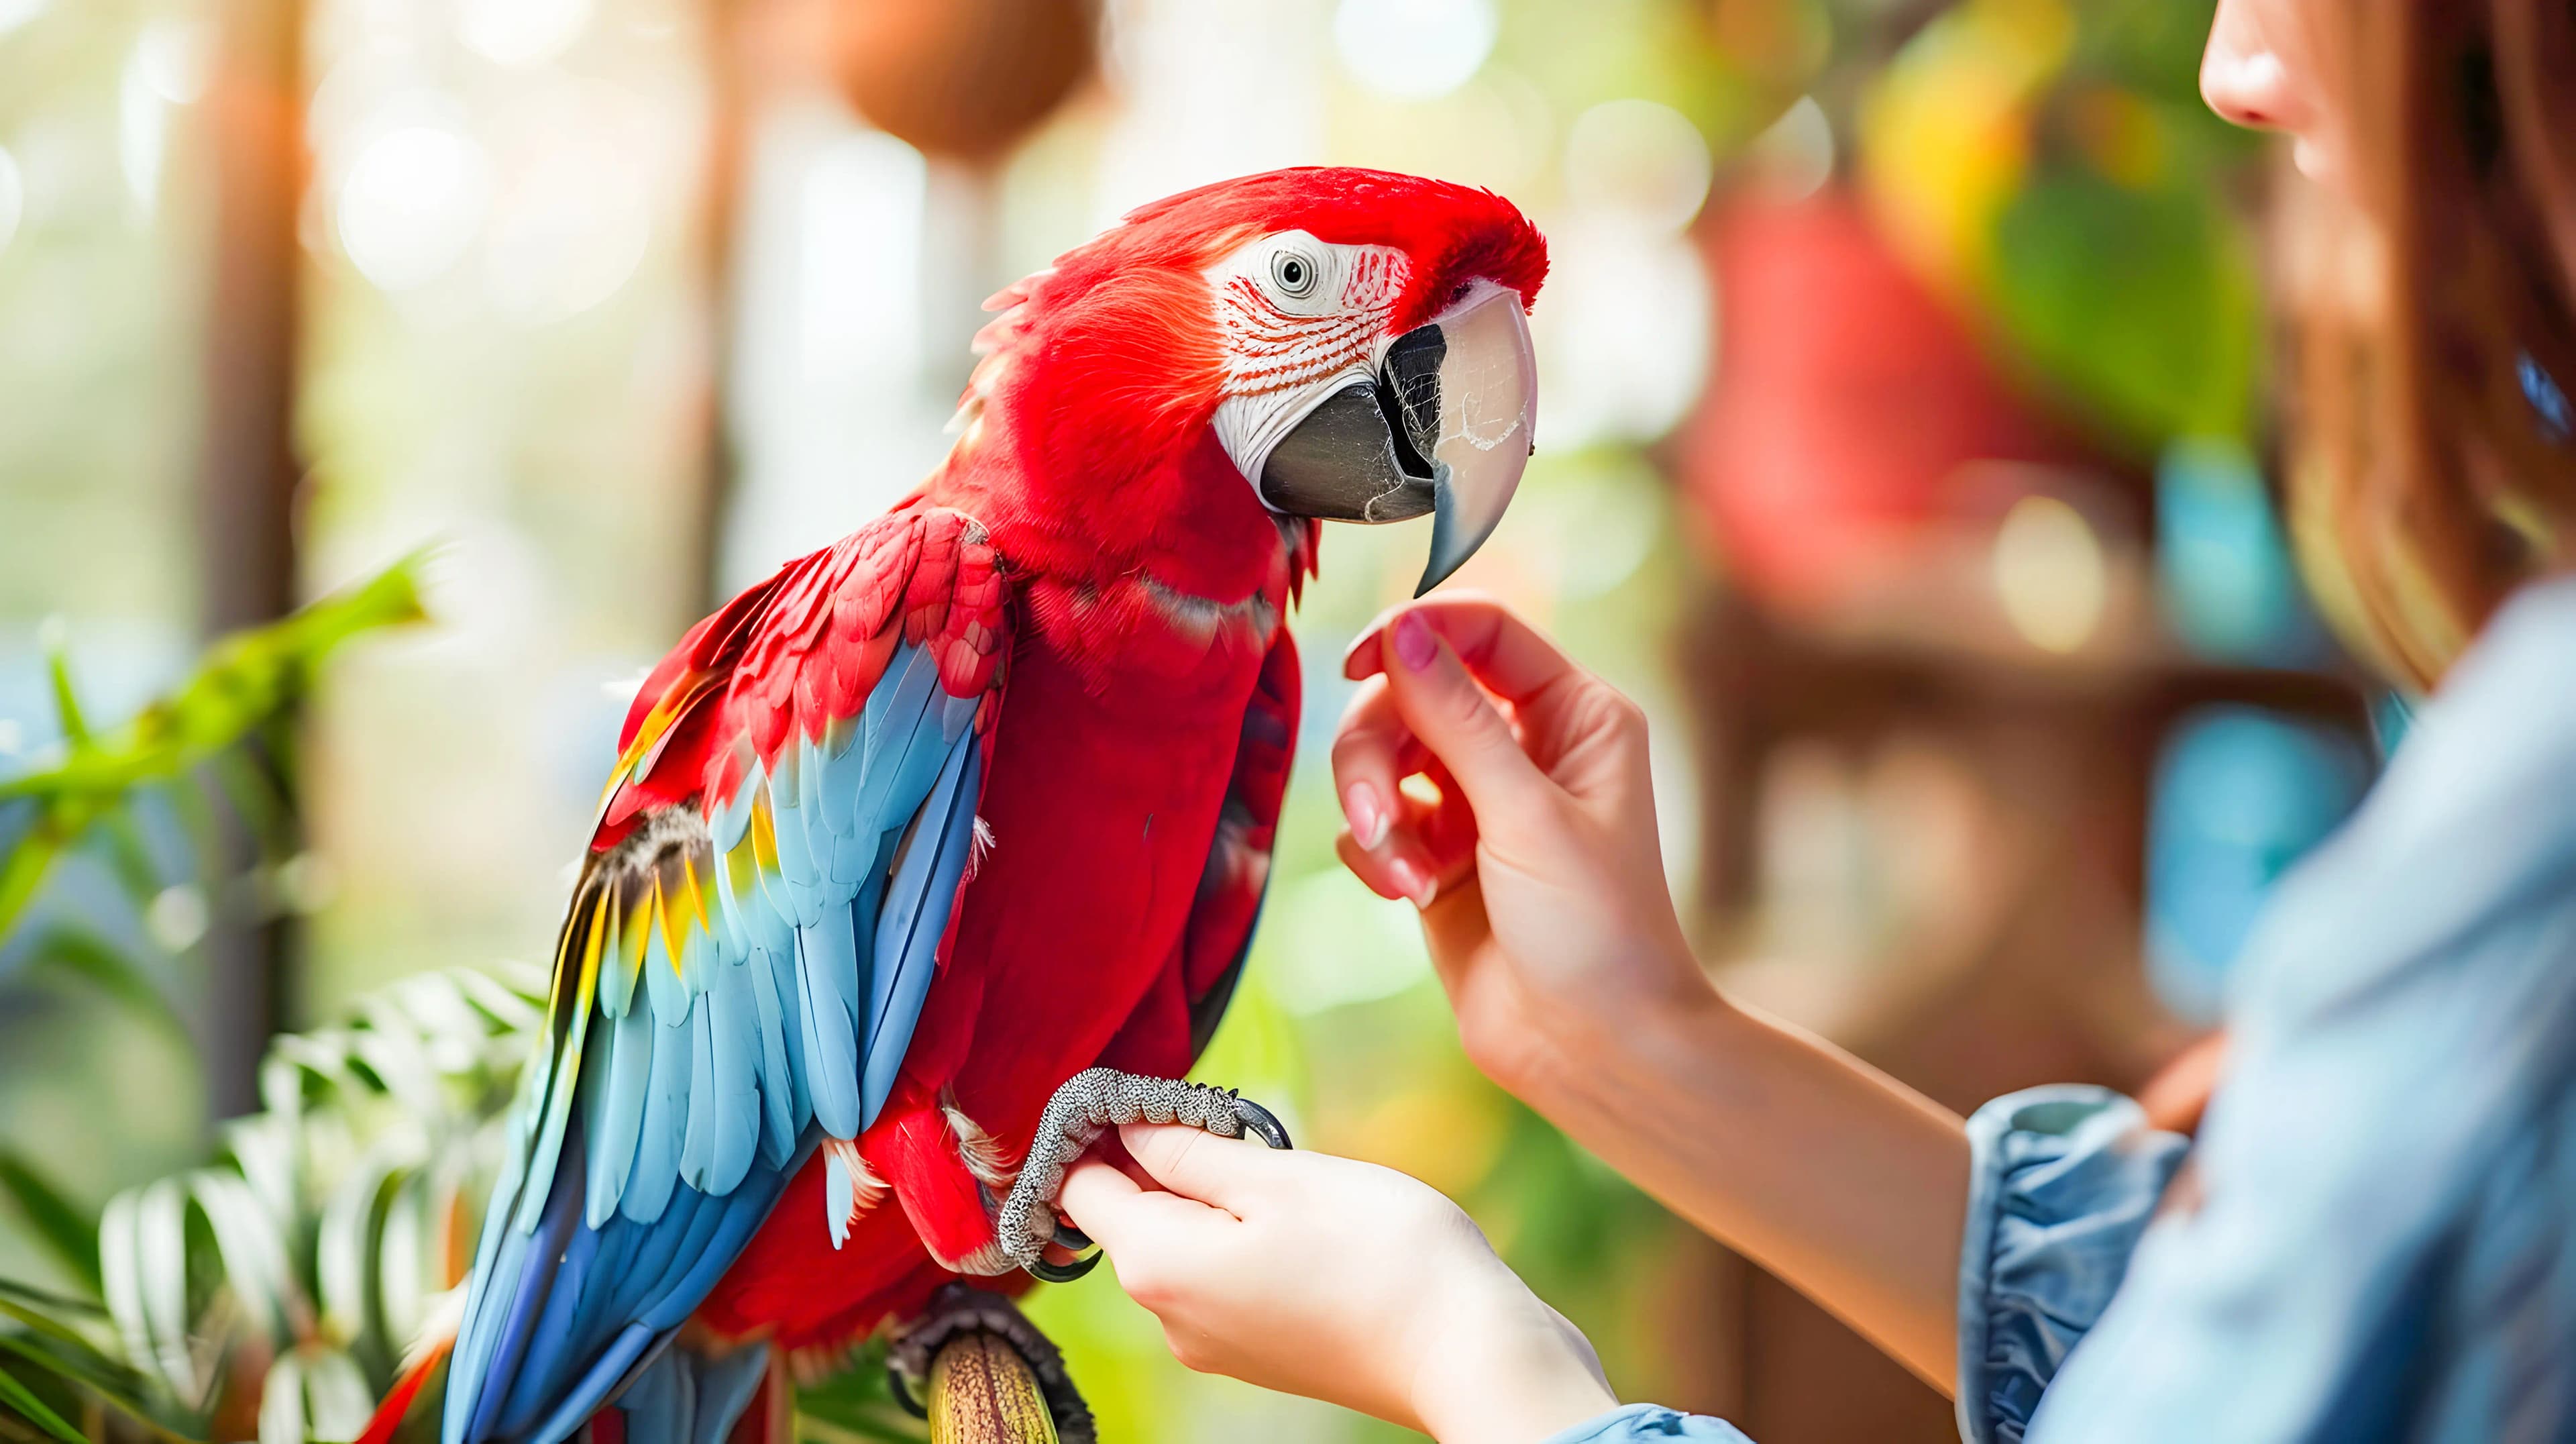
[(1904, 448)]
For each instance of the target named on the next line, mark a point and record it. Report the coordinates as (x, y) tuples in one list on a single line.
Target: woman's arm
[(1540, 877), (1832, 1175)]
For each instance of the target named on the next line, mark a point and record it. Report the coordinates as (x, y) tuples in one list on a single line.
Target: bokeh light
[(2227, 582), (570, 222), (2050, 574), (14, 13), (1624, 336), (520, 32), (411, 203), (171, 56), (2240, 795), (1640, 158), (141, 133), (1794, 157), (13, 197), (1414, 49), (167, 68)]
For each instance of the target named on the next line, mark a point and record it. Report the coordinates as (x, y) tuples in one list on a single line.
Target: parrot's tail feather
[(398, 1402)]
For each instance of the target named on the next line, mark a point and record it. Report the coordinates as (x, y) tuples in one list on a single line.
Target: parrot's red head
[(1319, 342)]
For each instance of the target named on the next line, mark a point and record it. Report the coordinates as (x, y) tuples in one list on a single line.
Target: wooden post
[(254, 145)]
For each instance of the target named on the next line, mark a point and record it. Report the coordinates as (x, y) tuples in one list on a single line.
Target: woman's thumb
[(1228, 1172)]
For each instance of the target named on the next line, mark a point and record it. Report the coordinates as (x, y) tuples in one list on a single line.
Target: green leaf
[(59, 1351), (25, 867), (71, 1361), (2139, 303), (29, 1296), (93, 959), (43, 1323), (67, 1231), (321, 1232), (58, 670), (19, 1397), (243, 685), (281, 1402), (856, 1403)]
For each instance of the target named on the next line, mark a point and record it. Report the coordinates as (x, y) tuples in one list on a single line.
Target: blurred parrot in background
[(970, 813)]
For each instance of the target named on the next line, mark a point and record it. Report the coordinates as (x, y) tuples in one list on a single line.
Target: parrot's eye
[(1293, 274)]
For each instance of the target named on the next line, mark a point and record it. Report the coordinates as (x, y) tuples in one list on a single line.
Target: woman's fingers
[(1399, 845), (1567, 721), (1443, 708), (1423, 856), (1510, 657), (1118, 1213), (1233, 1174), (1373, 751)]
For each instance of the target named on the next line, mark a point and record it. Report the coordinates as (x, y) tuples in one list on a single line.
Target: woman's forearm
[(1832, 1175)]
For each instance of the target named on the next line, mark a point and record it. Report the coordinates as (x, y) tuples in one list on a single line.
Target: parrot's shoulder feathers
[(797, 655)]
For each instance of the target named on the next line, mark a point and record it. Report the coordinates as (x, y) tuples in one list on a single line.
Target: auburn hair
[(2425, 484)]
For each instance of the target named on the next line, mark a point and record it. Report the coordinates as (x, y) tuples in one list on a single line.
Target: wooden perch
[(981, 1373), (982, 1392)]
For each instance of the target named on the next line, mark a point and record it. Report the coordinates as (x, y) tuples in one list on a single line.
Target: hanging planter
[(962, 78)]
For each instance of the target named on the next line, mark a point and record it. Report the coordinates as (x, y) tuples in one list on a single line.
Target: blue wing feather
[(665, 1135), (827, 968), (666, 1117), (915, 916), (618, 1119)]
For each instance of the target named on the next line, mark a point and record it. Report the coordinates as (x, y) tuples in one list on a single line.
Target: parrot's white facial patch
[(1301, 319)]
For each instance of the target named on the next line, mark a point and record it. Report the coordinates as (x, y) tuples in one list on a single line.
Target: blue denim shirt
[(2385, 1242)]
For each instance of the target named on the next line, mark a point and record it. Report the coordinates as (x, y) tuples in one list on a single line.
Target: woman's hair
[(2427, 484)]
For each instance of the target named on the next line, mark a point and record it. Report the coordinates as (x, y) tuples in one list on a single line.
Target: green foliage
[(293, 1270), (303, 1259), (856, 1404), (246, 686), (299, 1265), (2140, 302), (66, 1363), (66, 1231)]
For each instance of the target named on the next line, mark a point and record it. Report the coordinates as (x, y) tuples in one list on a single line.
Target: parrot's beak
[(1444, 427)]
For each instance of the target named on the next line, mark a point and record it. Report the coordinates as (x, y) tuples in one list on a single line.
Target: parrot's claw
[(1046, 1271), (1071, 1240), (1092, 1100), (1261, 1123)]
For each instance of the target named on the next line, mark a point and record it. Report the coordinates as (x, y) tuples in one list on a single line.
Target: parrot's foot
[(1090, 1101), (958, 1310)]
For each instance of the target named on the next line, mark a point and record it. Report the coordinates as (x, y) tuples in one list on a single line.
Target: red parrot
[(976, 799)]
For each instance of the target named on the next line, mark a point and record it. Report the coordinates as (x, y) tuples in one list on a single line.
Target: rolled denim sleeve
[(1642, 1423), (2064, 1180)]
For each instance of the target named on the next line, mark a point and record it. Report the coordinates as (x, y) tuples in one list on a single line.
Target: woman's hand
[(1538, 870), (1338, 1280), (1544, 905)]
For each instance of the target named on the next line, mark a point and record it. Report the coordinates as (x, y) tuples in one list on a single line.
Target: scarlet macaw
[(978, 798)]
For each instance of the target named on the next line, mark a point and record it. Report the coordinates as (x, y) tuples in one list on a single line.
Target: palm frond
[(330, 1223)]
